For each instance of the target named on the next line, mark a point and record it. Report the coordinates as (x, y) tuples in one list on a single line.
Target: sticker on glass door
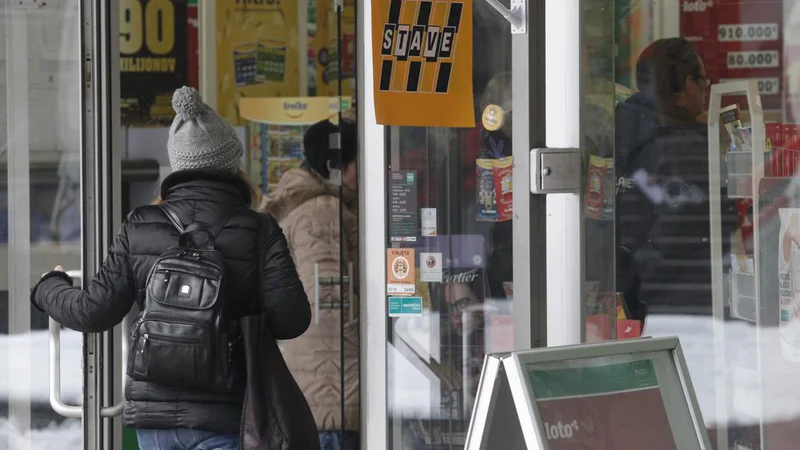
[(405, 306), (401, 276)]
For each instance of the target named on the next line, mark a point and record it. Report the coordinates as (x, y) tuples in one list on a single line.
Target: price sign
[(154, 59), (748, 32), (753, 59), (766, 86)]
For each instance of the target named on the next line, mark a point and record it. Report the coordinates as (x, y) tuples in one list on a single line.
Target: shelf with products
[(760, 287)]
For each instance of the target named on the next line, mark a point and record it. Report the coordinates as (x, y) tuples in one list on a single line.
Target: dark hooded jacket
[(663, 211), (265, 287)]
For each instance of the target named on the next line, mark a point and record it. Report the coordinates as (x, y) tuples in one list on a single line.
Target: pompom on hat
[(199, 138)]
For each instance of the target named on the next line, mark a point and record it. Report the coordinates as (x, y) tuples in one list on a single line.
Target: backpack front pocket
[(159, 347)]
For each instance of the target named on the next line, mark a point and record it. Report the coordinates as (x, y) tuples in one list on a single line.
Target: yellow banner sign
[(422, 54), (292, 110)]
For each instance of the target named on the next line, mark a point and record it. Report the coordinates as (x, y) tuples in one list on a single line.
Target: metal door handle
[(55, 365), (334, 282), (350, 292), (56, 403), (316, 293), (55, 368)]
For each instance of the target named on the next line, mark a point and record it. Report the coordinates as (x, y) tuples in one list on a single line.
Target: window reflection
[(701, 244)]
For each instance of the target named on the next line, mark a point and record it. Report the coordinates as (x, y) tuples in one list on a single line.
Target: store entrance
[(457, 255)]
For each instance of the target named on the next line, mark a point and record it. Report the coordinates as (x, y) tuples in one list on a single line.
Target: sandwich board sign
[(606, 396)]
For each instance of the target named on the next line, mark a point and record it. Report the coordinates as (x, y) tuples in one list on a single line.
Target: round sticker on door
[(400, 268), (430, 262), (492, 117)]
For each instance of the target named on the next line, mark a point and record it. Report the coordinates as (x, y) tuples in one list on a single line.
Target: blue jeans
[(335, 440), (186, 439)]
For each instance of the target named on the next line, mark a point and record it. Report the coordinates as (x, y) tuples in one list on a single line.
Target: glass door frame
[(529, 224)]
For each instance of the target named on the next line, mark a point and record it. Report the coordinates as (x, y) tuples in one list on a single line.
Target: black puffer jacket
[(196, 196)]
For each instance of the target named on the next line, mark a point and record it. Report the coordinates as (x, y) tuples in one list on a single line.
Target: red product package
[(503, 187), (594, 196), (774, 144), (785, 160), (629, 329)]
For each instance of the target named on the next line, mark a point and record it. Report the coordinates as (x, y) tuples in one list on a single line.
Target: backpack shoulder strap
[(175, 220), (173, 217)]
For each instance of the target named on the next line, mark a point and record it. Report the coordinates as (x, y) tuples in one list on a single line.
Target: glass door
[(688, 113), (453, 247), (51, 215)]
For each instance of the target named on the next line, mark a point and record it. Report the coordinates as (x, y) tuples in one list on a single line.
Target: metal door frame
[(565, 223), (530, 226), (103, 394), (101, 182)]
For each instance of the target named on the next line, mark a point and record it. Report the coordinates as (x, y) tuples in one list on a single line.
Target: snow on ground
[(775, 384), (412, 387), (39, 376), (66, 436)]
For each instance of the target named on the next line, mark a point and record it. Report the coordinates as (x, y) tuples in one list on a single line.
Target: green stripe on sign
[(584, 381)]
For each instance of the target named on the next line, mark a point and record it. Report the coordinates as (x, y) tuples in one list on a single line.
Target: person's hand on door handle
[(58, 268)]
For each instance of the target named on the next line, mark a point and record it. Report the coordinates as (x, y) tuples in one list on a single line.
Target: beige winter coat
[(307, 208)]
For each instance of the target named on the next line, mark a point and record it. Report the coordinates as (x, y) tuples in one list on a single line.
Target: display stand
[(741, 297), (625, 394)]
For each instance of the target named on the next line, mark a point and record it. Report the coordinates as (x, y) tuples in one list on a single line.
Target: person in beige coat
[(306, 205)]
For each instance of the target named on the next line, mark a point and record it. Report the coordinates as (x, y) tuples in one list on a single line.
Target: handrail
[(350, 292), (56, 403), (316, 293)]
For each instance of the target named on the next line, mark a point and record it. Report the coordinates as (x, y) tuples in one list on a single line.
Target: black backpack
[(182, 337)]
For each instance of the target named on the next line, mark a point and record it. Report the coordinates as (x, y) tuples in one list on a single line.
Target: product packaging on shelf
[(740, 136), (785, 155), (493, 173), (599, 188)]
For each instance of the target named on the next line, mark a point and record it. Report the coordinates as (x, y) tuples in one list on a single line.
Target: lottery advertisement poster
[(154, 59), (422, 78), (324, 46), (257, 53), (605, 406)]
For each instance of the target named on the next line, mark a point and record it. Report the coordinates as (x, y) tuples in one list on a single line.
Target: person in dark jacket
[(662, 201), (637, 118), (204, 187)]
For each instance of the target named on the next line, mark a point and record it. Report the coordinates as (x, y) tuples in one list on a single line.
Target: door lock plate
[(555, 170)]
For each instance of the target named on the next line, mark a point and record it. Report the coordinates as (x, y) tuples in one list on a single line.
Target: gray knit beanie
[(199, 138)]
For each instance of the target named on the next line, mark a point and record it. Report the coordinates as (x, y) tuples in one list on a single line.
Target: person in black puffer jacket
[(206, 186), (662, 193)]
